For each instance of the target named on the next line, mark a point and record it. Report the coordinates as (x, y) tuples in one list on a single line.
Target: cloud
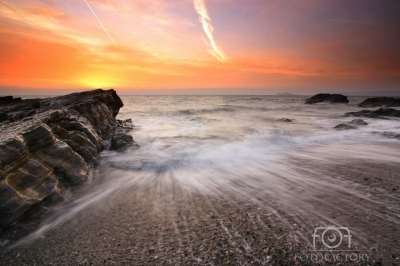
[(22, 17), (205, 20), (47, 12)]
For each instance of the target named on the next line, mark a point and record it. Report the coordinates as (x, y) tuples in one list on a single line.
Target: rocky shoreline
[(49, 145), (381, 101)]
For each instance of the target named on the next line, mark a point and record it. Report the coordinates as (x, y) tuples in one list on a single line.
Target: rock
[(18, 110), (127, 124), (359, 122), (391, 135), (380, 113), (3, 116), (84, 128), (381, 101), (68, 166), (80, 143), (99, 107), (326, 97), (120, 139), (13, 155), (48, 145), (9, 99), (38, 136), (34, 180), (12, 204), (343, 126), (285, 120)]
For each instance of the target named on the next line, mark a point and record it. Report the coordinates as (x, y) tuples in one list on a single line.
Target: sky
[(199, 46)]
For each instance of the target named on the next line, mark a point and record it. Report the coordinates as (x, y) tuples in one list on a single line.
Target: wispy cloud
[(22, 17), (205, 20), (100, 22)]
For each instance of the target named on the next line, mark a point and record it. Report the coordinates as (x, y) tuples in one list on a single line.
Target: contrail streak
[(205, 20), (100, 22)]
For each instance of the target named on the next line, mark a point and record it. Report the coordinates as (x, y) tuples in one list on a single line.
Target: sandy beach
[(159, 222)]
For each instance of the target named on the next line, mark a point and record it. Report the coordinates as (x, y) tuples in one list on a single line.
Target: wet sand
[(161, 222)]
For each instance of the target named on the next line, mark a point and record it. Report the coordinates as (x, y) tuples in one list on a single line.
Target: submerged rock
[(391, 135), (344, 126), (380, 113), (48, 145), (359, 122), (326, 97), (381, 101), (285, 120)]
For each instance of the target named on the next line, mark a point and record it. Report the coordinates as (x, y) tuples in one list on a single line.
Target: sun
[(97, 82)]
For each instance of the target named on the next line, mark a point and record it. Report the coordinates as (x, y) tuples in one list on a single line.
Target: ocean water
[(228, 132), (234, 145)]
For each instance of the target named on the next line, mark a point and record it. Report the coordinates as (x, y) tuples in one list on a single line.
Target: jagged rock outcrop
[(326, 97), (380, 113), (381, 101), (48, 145)]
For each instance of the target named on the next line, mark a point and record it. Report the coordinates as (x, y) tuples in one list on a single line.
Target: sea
[(235, 133)]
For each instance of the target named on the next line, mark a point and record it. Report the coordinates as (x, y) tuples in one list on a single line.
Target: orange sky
[(270, 46)]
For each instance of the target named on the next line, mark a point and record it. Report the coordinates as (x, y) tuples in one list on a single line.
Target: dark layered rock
[(344, 126), (86, 129), (48, 145), (17, 110), (380, 113), (80, 143), (326, 97), (381, 101)]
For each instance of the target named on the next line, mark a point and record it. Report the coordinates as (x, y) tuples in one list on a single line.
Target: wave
[(278, 171), (206, 111)]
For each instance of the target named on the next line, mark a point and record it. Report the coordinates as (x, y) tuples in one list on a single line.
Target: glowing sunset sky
[(276, 45)]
